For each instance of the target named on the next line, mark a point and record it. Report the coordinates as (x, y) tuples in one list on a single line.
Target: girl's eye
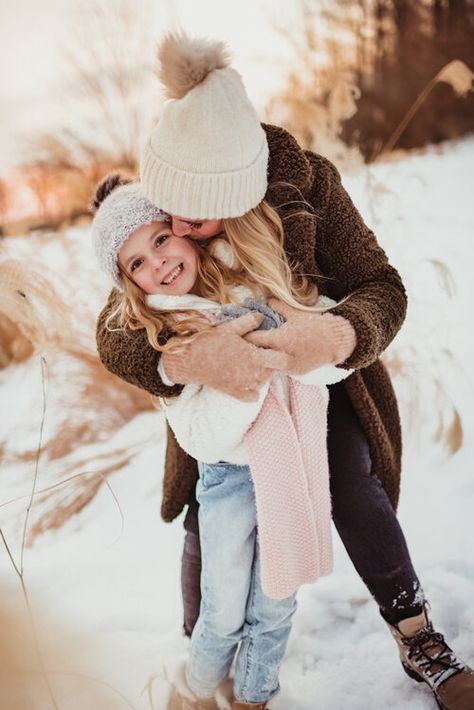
[(135, 264), (195, 225), (161, 239)]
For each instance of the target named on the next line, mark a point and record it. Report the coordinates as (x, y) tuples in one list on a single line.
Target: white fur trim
[(185, 302), (221, 250), (162, 373)]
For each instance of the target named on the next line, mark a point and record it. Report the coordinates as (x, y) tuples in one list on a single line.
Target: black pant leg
[(364, 517), (191, 569)]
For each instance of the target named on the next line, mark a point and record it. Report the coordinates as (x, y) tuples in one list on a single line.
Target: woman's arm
[(128, 354), (373, 300), (326, 374), (347, 251), (219, 358)]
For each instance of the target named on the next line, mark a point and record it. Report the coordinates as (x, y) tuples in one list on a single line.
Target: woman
[(209, 159)]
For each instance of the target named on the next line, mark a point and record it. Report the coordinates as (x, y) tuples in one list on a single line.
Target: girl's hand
[(220, 358), (310, 340)]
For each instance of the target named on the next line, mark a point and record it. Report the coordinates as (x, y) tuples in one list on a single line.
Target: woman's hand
[(220, 358), (310, 340)]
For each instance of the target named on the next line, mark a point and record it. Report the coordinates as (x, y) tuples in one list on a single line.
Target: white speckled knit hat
[(207, 156), (123, 211)]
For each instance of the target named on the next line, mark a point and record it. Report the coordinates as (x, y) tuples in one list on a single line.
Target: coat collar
[(287, 162)]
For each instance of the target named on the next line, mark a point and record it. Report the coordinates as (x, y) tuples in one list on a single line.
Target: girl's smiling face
[(158, 261)]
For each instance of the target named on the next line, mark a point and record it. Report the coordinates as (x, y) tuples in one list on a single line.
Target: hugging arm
[(348, 252), (354, 333), (128, 354), (219, 358), (209, 425)]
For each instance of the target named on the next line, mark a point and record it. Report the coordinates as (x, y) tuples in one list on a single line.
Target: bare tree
[(109, 91), (320, 92), (110, 80)]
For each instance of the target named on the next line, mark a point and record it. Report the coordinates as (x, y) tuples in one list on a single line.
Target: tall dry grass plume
[(90, 405), (456, 74)]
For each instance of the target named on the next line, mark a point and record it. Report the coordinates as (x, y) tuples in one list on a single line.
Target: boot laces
[(431, 654)]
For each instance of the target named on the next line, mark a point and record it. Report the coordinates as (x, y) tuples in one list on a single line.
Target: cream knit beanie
[(207, 156)]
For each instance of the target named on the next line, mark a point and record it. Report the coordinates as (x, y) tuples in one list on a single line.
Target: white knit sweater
[(210, 425)]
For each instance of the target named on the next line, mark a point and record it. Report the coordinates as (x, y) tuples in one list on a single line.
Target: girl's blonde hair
[(256, 240)]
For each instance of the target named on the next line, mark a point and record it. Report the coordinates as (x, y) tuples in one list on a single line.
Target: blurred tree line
[(107, 84), (368, 76), (411, 42), (385, 52)]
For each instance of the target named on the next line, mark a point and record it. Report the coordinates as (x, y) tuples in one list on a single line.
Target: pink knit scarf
[(289, 464)]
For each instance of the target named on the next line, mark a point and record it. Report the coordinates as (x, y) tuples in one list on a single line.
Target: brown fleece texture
[(324, 236)]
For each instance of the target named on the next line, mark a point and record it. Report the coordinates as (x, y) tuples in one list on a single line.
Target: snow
[(105, 593)]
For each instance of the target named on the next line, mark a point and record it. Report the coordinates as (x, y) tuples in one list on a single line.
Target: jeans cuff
[(201, 691)]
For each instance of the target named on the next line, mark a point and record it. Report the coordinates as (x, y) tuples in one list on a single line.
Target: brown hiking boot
[(182, 698), (174, 701), (199, 704), (426, 657)]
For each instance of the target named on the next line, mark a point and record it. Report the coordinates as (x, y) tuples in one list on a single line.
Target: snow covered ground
[(106, 595)]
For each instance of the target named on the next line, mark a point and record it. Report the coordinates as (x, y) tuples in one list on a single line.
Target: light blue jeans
[(234, 610)]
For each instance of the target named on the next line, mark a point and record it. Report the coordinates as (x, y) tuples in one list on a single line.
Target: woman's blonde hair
[(256, 240)]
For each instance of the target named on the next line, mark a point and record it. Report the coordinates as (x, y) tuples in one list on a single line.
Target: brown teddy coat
[(325, 236)]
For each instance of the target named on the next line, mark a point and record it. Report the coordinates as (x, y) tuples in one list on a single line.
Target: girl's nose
[(158, 261)]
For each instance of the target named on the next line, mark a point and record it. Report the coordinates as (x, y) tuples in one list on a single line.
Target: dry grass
[(90, 405), (456, 74), (44, 663), (14, 346), (422, 377), (427, 407), (317, 122), (69, 499)]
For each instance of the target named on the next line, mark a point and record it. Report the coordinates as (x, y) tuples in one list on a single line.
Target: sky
[(34, 36)]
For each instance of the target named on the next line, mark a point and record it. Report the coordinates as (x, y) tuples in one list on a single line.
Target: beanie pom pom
[(185, 62), (106, 186)]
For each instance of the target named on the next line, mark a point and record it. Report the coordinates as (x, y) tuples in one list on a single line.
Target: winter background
[(90, 602)]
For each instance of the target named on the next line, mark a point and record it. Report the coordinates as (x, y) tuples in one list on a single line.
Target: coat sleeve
[(209, 424), (347, 252), (128, 354)]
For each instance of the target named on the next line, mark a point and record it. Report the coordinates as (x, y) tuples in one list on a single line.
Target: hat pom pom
[(106, 186), (185, 62)]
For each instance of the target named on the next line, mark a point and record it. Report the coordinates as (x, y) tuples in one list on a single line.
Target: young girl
[(262, 461)]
